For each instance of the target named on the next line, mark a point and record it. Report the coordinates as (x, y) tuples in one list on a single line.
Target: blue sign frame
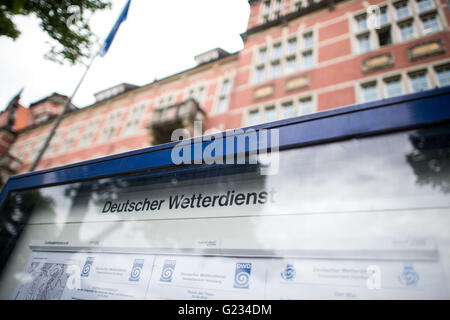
[(395, 114)]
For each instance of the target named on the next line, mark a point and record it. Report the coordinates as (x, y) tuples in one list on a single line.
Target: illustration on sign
[(136, 270), (289, 272), (409, 277), (87, 267), (167, 271), (242, 275)]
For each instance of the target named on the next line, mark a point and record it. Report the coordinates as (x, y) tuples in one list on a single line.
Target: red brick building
[(299, 57)]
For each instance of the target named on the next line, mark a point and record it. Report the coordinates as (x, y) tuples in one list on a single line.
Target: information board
[(344, 217)]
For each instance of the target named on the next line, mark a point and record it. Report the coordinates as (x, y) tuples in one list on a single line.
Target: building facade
[(299, 57)]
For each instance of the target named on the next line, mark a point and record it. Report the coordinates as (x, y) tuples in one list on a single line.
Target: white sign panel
[(354, 279), (56, 275), (176, 277)]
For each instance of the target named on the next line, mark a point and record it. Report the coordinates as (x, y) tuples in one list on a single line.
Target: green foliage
[(65, 21)]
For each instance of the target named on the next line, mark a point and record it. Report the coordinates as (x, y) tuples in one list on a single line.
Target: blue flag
[(112, 33)]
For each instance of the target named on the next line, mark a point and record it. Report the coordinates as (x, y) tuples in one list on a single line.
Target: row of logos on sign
[(409, 277)]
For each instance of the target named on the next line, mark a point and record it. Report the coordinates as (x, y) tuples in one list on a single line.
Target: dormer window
[(271, 10)]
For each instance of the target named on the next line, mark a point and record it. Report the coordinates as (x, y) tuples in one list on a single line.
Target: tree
[(65, 21), (430, 159)]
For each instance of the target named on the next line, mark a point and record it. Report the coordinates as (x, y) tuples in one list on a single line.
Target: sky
[(159, 38)]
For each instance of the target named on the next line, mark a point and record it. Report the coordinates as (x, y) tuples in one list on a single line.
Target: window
[(297, 5), (384, 36), (164, 102), (278, 5), (89, 132), (277, 8), (283, 58), (262, 55), (134, 119), (161, 104), (253, 117), (287, 110), (370, 91), (277, 51), (266, 12), (260, 74), (110, 126), (402, 9), (308, 41), (364, 43), (292, 46), (443, 75), (393, 87), (291, 65), (419, 81), (430, 24), (276, 70), (69, 139), (222, 106), (225, 89), (200, 94), (308, 60), (197, 93), (361, 22), (407, 31), (306, 106), (271, 10), (384, 16), (424, 5), (55, 144), (270, 114)]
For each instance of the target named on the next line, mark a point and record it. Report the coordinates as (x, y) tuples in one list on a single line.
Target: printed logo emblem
[(409, 277), (289, 272), (167, 271), (242, 275), (136, 270), (87, 267)]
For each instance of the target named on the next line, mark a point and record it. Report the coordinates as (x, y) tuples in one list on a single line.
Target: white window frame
[(270, 11), (112, 122), (223, 96), (278, 104), (416, 4), (366, 84), (419, 71), (89, 132), (441, 66), (436, 16), (133, 120), (413, 25), (396, 11), (388, 79)]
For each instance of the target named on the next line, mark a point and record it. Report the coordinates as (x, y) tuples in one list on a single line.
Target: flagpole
[(101, 52), (60, 116)]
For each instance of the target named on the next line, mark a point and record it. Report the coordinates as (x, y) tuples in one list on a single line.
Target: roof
[(127, 86), (52, 98)]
